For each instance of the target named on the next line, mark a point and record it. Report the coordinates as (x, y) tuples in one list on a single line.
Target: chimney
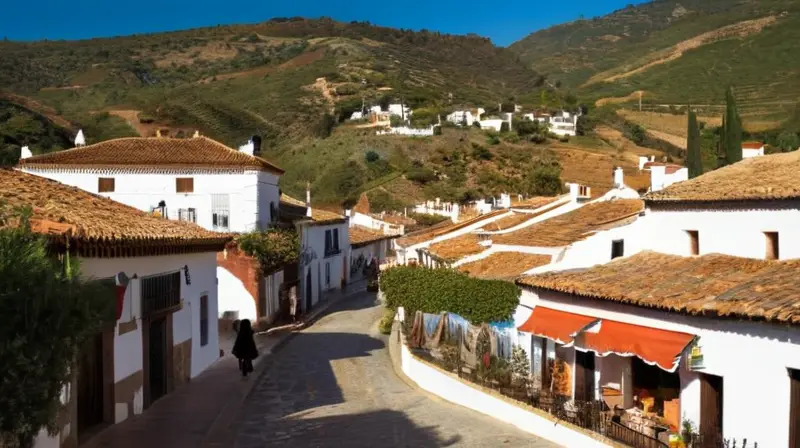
[(25, 153), (618, 177), (573, 192), (308, 199), (158, 133), (80, 140), (657, 177), (196, 134), (642, 161), (256, 140), (652, 158), (247, 148)]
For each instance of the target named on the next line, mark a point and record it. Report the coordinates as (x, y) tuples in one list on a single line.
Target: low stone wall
[(453, 389)]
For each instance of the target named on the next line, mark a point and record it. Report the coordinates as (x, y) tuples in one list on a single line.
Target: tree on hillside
[(731, 131), (48, 311), (694, 158), (545, 179)]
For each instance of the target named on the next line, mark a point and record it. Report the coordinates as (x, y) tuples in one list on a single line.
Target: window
[(331, 242), (184, 185), (187, 214), (327, 275), (273, 212), (773, 249), (105, 185), (220, 209), (617, 248), (160, 292), (204, 321), (694, 242)]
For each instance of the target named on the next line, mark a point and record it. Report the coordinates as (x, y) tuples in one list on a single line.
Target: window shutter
[(105, 185), (184, 185)]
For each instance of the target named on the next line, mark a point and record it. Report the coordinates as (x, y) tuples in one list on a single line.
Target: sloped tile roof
[(504, 265), (563, 230), (361, 236), (152, 152), (457, 248), (714, 284), (92, 220), (294, 209)]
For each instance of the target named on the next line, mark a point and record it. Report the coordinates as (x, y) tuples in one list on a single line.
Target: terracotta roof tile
[(362, 206), (443, 228), (534, 202), (752, 145), (771, 177), (155, 152), (714, 284), (507, 222), (361, 236), (97, 221), (563, 230), (295, 209), (456, 248), (504, 265)]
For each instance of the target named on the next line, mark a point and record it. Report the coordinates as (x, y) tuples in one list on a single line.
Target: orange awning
[(558, 326), (653, 346)]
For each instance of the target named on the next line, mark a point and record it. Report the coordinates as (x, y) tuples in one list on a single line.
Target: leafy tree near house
[(48, 311), (545, 179), (731, 131), (693, 151)]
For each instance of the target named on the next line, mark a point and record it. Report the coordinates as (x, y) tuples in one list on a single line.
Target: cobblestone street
[(333, 385)]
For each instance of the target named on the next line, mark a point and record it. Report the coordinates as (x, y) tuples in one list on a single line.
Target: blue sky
[(502, 21)]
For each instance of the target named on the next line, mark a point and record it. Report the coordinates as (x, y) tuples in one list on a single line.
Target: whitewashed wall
[(369, 222), (234, 296), (735, 232), (250, 193), (313, 237), (751, 357), (376, 249), (272, 294), (186, 322)]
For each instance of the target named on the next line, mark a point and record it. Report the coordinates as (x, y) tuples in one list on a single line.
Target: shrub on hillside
[(479, 152), (538, 138), (564, 138), (425, 220), (372, 156), (347, 89), (437, 290), (504, 127), (545, 179), (421, 175)]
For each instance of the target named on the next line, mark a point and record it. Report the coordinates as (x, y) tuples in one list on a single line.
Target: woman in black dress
[(245, 347)]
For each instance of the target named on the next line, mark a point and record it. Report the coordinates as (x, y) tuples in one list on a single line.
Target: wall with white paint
[(452, 389), (185, 323), (234, 296), (749, 356), (249, 193), (377, 249), (327, 272), (738, 232)]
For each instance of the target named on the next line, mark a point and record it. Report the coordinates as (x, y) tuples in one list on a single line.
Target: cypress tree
[(732, 130), (694, 160)]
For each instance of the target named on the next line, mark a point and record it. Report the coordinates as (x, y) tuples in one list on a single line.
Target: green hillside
[(678, 52)]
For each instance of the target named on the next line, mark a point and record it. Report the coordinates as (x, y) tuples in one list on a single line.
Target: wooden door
[(157, 355), (794, 408), (545, 364), (584, 376), (90, 384), (711, 406)]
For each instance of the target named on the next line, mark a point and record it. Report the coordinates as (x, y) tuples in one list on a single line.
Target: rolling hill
[(679, 52)]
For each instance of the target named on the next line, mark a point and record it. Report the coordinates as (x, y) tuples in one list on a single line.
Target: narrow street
[(334, 385)]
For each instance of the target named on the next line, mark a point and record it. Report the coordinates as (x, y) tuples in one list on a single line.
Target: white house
[(748, 209), (691, 337), (461, 118), (440, 208), (400, 110), (165, 295), (662, 175), (752, 149), (357, 115), (194, 179), (564, 124), (360, 216), (324, 247), (366, 246)]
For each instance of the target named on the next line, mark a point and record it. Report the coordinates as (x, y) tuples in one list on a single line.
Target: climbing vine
[(273, 247), (437, 290)]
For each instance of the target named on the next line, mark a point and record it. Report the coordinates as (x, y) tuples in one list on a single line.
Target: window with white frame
[(187, 214), (220, 212)]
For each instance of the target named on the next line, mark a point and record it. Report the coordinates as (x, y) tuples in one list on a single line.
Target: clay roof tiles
[(361, 236), (770, 177), (714, 284), (563, 230), (155, 152), (89, 220), (504, 265), (294, 209)]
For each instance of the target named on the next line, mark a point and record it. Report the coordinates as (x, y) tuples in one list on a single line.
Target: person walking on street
[(293, 303), (245, 347)]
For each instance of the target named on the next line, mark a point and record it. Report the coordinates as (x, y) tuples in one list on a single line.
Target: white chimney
[(657, 177), (25, 153), (573, 192), (80, 140), (642, 161), (196, 134), (308, 199), (247, 148), (652, 158), (618, 178), (347, 212)]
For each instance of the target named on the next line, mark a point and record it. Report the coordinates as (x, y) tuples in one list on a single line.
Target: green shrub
[(421, 175), (437, 290), (385, 324), (479, 152), (504, 127), (371, 156), (347, 89), (564, 139), (427, 220), (273, 247), (437, 130), (538, 138), (545, 179)]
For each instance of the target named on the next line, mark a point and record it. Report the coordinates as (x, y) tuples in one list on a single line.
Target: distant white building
[(401, 110), (357, 115), (193, 179), (461, 118), (662, 175), (752, 149), (564, 124)]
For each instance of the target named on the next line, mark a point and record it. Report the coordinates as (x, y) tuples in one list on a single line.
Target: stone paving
[(333, 385)]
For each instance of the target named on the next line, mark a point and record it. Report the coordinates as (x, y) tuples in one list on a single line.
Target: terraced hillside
[(679, 52)]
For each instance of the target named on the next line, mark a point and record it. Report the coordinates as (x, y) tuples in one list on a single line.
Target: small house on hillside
[(752, 149), (166, 296), (197, 179)]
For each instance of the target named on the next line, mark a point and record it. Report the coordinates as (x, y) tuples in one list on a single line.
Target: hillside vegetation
[(679, 52)]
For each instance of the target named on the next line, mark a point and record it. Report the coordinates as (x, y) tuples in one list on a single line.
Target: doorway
[(584, 376), (711, 403), (90, 384), (157, 357)]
